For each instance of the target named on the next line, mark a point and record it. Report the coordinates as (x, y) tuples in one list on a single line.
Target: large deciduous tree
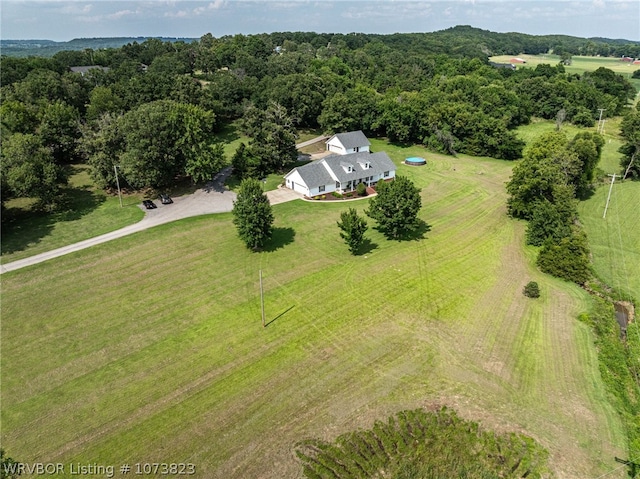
[(353, 228), (60, 130), (29, 170), (273, 138), (155, 143), (551, 161), (252, 214), (396, 207), (567, 259)]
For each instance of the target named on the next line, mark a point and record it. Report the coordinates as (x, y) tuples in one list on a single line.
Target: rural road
[(212, 198)]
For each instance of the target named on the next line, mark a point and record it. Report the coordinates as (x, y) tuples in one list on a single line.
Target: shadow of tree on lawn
[(366, 247), (23, 228), (280, 237), (415, 234)]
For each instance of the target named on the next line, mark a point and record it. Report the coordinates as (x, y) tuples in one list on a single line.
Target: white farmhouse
[(345, 143), (341, 173)]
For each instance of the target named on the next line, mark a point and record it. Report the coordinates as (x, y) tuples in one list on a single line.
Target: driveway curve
[(212, 198)]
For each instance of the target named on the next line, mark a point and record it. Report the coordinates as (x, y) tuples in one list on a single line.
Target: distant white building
[(351, 142)]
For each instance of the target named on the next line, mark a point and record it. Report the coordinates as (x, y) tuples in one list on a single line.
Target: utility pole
[(633, 157), (601, 121), (613, 178), (262, 299), (115, 168)]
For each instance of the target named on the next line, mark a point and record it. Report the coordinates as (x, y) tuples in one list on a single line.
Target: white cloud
[(395, 10), (120, 14), (178, 14), (218, 4), (76, 9)]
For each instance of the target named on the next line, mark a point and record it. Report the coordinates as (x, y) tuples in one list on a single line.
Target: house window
[(367, 165), (386, 174), (337, 185), (320, 188)]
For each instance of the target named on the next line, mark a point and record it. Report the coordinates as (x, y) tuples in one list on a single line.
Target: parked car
[(148, 204), (166, 199)]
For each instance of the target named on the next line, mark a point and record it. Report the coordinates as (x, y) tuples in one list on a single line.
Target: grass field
[(615, 244), (150, 348), (90, 212), (579, 64)]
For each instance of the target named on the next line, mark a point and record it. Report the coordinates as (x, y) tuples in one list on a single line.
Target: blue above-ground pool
[(415, 161)]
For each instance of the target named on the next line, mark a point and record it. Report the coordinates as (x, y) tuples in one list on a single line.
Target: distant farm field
[(150, 348), (579, 64)]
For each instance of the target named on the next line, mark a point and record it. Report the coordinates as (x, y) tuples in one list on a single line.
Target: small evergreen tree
[(361, 189), (353, 228), (531, 290), (252, 214), (396, 207)]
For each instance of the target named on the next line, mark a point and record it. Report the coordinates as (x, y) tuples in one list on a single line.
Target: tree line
[(435, 89)]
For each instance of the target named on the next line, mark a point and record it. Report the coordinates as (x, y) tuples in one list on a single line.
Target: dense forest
[(155, 107)]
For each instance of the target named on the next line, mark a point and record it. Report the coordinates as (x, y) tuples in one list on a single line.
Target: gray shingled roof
[(380, 162), (315, 174), (352, 139)]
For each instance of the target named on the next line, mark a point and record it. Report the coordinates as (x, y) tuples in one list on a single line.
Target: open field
[(615, 244), (91, 212), (579, 64), (150, 348)]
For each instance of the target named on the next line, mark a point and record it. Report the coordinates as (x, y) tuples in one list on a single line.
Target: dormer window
[(347, 167)]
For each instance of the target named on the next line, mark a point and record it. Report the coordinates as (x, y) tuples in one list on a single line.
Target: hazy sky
[(65, 20)]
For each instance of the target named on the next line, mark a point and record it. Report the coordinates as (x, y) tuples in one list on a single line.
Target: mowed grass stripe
[(192, 375)]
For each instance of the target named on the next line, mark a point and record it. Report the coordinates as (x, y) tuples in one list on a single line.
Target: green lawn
[(90, 212), (150, 347), (615, 244)]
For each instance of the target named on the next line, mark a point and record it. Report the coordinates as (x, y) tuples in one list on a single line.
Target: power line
[(601, 121), (613, 178)]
